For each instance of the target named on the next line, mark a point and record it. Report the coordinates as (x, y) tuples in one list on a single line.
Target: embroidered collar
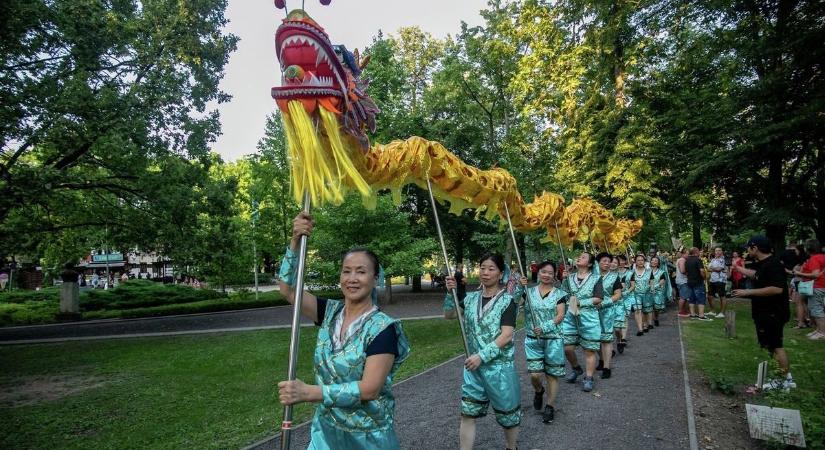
[(339, 341), (482, 311)]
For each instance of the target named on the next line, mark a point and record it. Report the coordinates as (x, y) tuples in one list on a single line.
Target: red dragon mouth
[(310, 68)]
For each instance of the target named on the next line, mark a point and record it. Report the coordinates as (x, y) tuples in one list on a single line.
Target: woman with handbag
[(812, 286)]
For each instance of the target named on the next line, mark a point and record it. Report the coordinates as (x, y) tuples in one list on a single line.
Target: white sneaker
[(772, 385), (816, 336), (788, 384), (812, 333), (720, 315)]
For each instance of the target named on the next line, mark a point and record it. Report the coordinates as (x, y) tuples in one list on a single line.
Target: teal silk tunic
[(495, 383), (626, 301), (343, 421), (544, 353), (584, 329), (641, 290), (660, 293), (607, 309)]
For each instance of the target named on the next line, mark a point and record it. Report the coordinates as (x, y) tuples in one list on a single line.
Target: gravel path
[(641, 406)]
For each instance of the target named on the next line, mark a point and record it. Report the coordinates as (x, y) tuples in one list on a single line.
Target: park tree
[(105, 119), (385, 230)]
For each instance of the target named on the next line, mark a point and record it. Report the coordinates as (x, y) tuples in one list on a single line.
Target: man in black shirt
[(769, 304), (693, 268)]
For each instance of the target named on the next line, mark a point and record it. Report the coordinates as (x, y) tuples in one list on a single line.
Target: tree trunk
[(819, 204), (459, 251), (508, 252), (388, 290), (776, 230), (696, 223), (416, 283)]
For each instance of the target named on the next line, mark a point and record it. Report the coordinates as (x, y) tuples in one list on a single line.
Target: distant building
[(134, 263)]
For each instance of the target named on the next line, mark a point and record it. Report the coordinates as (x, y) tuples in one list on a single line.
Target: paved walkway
[(641, 406), (406, 305)]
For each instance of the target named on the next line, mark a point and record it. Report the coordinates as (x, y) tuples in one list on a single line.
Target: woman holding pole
[(611, 295), (660, 287), (490, 377), (625, 304), (581, 324), (359, 348), (543, 344), (641, 294)]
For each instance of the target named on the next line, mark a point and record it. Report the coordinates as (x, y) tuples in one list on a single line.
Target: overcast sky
[(253, 67)]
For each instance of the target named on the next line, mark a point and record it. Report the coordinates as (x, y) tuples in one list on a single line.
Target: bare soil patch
[(721, 421), (30, 391)]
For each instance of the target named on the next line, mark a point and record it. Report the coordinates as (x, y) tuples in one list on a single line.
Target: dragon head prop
[(322, 75)]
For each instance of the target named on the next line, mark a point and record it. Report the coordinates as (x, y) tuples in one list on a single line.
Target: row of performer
[(359, 347)]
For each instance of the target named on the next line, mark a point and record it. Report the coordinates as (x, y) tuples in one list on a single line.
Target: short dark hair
[(621, 257), (603, 255), (545, 264), (370, 255), (497, 259), (640, 255)]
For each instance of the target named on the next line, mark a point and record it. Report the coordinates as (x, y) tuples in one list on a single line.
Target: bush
[(142, 294), (328, 293), (23, 295), (204, 306), (28, 313)]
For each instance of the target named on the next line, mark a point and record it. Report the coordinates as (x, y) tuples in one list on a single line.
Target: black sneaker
[(606, 374), (705, 318), (640, 333), (548, 415), (656, 322), (620, 346), (600, 366), (646, 329), (572, 376), (538, 399)]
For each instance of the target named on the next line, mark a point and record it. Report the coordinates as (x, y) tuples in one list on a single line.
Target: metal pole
[(255, 259), (286, 425), (459, 314), (520, 265), (561, 249)]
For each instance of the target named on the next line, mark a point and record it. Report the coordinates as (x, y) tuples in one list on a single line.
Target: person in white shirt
[(718, 279)]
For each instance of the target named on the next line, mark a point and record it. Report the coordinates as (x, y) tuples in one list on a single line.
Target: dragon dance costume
[(641, 290), (625, 304), (495, 382), (608, 308), (544, 353), (660, 293), (342, 420), (584, 329)]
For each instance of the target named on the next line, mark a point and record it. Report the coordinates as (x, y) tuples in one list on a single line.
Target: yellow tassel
[(341, 155)]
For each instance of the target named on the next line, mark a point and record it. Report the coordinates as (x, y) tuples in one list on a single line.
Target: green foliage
[(385, 230), (104, 124), (136, 298), (141, 294)]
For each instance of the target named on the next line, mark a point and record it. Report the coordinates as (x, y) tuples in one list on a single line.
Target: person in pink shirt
[(814, 269)]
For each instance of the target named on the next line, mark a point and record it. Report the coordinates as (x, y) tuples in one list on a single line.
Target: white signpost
[(775, 424)]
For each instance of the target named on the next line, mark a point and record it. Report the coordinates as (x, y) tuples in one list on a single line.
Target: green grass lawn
[(730, 364), (204, 391)]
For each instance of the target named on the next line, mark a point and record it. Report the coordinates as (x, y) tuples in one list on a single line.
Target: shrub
[(24, 295), (143, 294)]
